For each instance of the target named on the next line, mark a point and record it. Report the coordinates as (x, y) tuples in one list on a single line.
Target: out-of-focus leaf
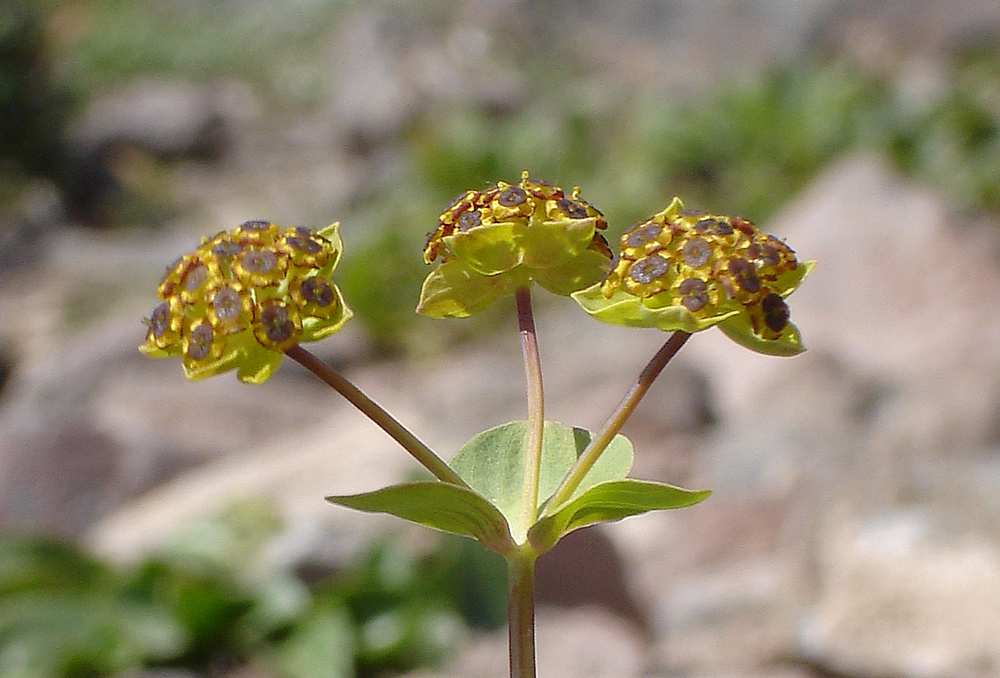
[(321, 647)]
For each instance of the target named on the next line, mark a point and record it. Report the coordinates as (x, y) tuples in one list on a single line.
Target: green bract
[(492, 510), (689, 271), (489, 243)]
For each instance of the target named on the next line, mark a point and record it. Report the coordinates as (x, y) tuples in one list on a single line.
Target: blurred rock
[(882, 35), (24, 234), (166, 118), (584, 642), (372, 94), (6, 366), (902, 594), (559, 579)]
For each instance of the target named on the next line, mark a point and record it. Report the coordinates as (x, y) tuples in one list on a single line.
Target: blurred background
[(153, 528)]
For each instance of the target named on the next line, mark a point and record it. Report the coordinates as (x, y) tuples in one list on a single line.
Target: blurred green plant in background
[(205, 603)]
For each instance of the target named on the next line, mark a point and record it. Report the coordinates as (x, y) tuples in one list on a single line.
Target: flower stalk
[(423, 454), (521, 615), (536, 403), (614, 423)]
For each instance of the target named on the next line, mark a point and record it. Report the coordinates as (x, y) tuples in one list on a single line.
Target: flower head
[(244, 296), (689, 270), (488, 243)]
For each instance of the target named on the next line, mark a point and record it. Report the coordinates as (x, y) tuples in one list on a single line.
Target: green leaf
[(623, 308), (492, 463), (607, 502), (322, 647), (489, 249), (438, 505), (453, 290), (579, 272)]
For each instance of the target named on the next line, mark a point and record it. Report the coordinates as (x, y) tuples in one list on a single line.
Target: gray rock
[(167, 118), (904, 594), (584, 642)]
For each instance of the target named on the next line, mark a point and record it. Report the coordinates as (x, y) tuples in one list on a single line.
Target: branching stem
[(423, 454), (613, 425), (536, 403)]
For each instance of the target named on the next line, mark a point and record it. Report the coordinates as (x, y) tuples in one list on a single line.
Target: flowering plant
[(247, 297)]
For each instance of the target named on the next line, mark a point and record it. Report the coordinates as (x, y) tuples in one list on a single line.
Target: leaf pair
[(492, 511)]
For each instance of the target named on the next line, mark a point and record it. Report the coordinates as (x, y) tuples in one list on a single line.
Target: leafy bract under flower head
[(488, 243), (689, 270), (244, 296)]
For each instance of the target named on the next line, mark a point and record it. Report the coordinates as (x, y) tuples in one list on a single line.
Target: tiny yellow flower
[(688, 270), (488, 243), (246, 295)]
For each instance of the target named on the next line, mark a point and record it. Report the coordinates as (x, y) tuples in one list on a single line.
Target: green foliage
[(205, 601), (260, 42), (381, 278), (493, 462)]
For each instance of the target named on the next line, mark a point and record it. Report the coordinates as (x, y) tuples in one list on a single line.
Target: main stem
[(536, 403), (374, 411), (521, 616), (618, 418)]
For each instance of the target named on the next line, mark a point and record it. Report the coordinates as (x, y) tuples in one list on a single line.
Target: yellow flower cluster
[(691, 270), (491, 242), (244, 296), (530, 200)]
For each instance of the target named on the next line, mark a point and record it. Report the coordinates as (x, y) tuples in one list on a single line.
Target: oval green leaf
[(607, 502), (438, 505)]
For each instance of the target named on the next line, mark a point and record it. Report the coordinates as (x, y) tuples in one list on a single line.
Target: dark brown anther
[(776, 312), (159, 320), (694, 294), (278, 327), (646, 233), (745, 275), (200, 342), (648, 269), (742, 225), (600, 244), (705, 226), (304, 244), (512, 196), (317, 291), (469, 220), (195, 278), (696, 252), (572, 209), (722, 228), (259, 261), (227, 304), (769, 255), (226, 249), (255, 225)]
